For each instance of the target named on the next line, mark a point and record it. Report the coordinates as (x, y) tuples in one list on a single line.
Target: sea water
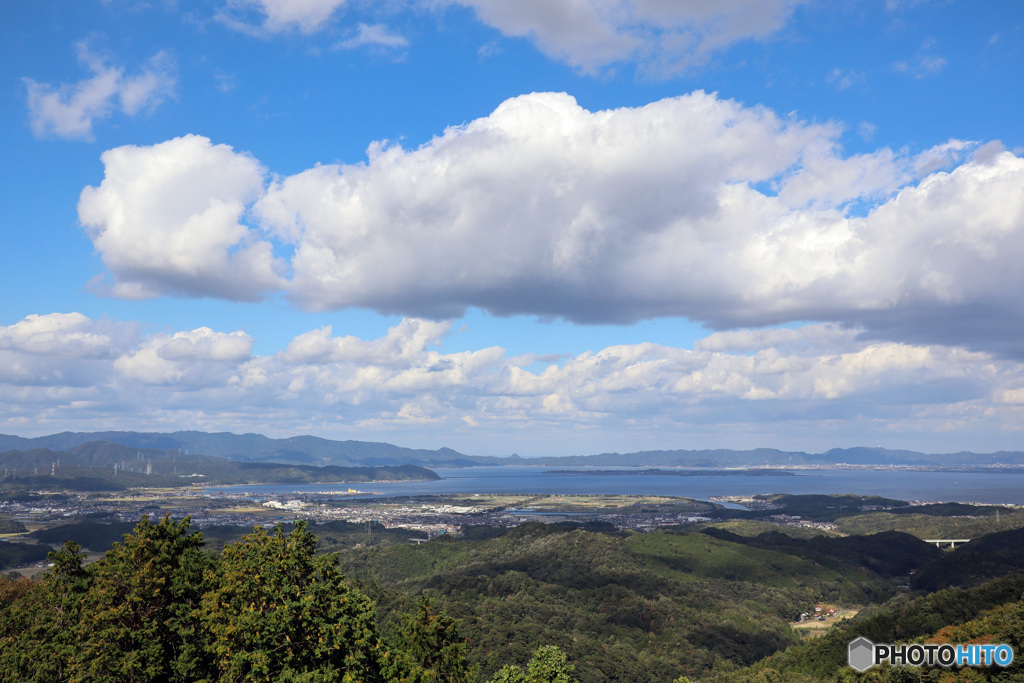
[(986, 486)]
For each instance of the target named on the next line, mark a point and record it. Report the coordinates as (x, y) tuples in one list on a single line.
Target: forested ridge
[(624, 607), (268, 607), (992, 612), (534, 603)]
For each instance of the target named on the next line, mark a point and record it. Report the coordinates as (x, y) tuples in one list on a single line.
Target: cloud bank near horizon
[(70, 371), (693, 207)]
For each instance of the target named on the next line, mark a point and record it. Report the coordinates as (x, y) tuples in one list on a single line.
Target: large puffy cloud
[(542, 207), (165, 219), (69, 110), (663, 36), (788, 386), (692, 206)]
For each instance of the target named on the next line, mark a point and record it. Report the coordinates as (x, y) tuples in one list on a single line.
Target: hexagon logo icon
[(861, 654)]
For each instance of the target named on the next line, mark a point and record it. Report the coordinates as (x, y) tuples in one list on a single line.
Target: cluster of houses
[(797, 520), (820, 613)]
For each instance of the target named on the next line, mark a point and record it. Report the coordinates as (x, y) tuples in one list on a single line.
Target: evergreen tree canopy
[(158, 607)]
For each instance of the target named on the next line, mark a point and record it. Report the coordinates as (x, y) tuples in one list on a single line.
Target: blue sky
[(545, 227)]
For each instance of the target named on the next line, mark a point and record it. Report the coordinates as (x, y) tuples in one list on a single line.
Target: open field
[(250, 510), (813, 628)]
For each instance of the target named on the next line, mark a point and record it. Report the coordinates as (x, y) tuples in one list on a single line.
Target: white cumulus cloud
[(59, 334), (692, 206), (60, 350), (166, 219), (197, 357)]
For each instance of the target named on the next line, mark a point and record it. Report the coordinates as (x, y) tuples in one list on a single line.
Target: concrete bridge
[(951, 541)]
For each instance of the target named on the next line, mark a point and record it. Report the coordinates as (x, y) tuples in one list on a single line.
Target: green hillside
[(984, 558), (983, 521), (624, 607), (621, 606), (956, 612)]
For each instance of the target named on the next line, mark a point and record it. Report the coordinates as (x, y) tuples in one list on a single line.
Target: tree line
[(159, 607)]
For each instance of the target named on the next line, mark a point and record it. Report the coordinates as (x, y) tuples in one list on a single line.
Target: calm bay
[(984, 486)]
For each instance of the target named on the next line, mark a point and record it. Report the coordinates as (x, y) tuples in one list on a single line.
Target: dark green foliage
[(482, 532), (128, 617), (14, 554), (755, 527), (434, 651), (887, 554), (11, 526), (22, 496), (930, 525), (277, 611), (952, 510), (17, 495), (1003, 624), (37, 629), (818, 507), (640, 607), (549, 665), (901, 620), (987, 557), (331, 536), (159, 607), (338, 534), (592, 526), (97, 536), (138, 613)]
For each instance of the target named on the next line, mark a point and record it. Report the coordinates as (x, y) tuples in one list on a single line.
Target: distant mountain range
[(104, 466), (298, 450), (311, 450)]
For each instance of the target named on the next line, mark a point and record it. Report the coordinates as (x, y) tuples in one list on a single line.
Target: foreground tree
[(430, 649), (278, 612), (158, 607), (138, 621), (549, 665), (38, 639)]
